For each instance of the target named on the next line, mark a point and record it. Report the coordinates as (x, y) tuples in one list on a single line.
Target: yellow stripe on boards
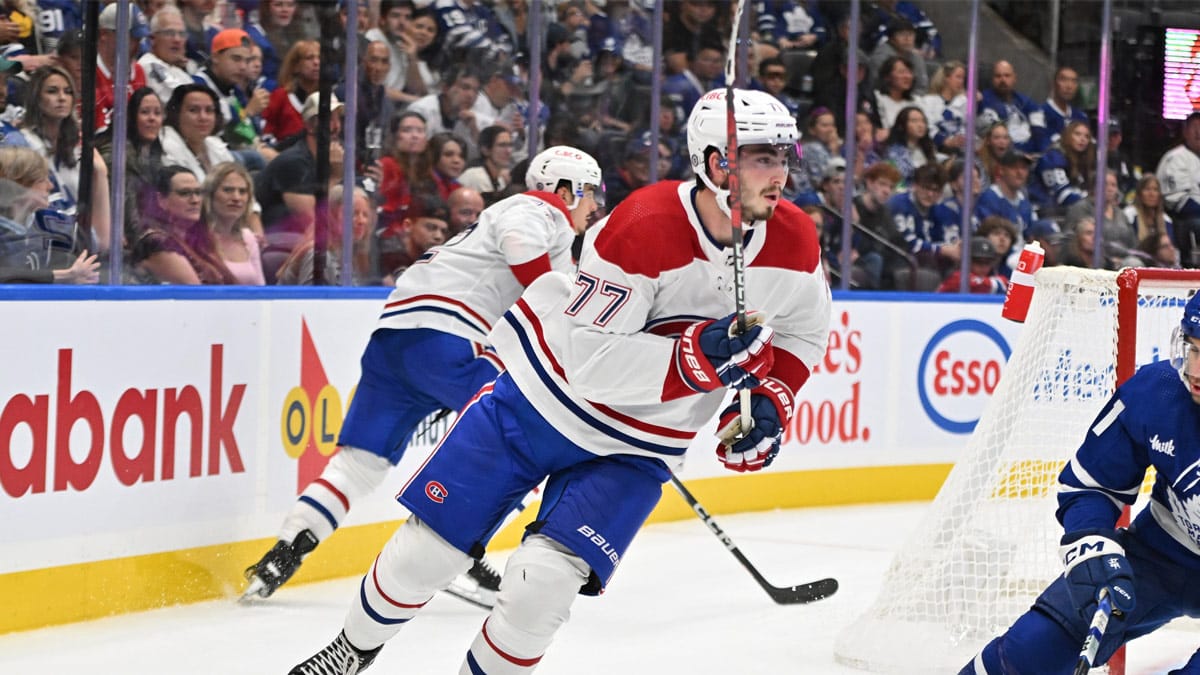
[(59, 595)]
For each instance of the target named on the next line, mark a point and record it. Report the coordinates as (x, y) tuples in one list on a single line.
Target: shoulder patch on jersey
[(791, 243), (649, 233)]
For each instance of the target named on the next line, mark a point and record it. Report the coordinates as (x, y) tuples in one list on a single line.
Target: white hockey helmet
[(761, 120), (562, 162)]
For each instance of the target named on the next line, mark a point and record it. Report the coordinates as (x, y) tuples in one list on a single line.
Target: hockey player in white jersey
[(1147, 572), (428, 351), (610, 375)]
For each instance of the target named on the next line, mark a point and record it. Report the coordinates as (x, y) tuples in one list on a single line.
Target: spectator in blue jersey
[(56, 18), (790, 25), (1058, 109), (1145, 570), (466, 26), (1003, 103), (1006, 196), (879, 14), (1066, 172), (634, 170), (945, 107), (278, 28), (705, 71), (901, 41), (947, 213), (935, 249), (199, 31), (909, 146), (894, 89), (773, 79)]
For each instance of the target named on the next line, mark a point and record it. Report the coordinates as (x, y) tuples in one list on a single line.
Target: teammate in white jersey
[(429, 349), (1148, 572), (610, 375)]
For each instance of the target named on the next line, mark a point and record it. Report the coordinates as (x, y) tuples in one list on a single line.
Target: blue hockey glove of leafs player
[(712, 354), (771, 407), (1093, 560)]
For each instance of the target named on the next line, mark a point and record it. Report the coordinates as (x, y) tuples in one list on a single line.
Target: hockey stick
[(735, 213), (1091, 644), (789, 595)]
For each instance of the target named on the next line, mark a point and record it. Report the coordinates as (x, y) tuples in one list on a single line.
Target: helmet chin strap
[(722, 197)]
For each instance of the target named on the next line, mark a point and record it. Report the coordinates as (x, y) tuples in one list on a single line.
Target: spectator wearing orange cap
[(226, 70)]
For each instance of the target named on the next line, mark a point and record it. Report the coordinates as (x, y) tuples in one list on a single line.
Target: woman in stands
[(298, 78), (190, 137), (227, 211), (405, 169), (821, 144), (1146, 214), (448, 155), (946, 107), (33, 249), (422, 30), (994, 144), (173, 246), (51, 128), (895, 91), (909, 146), (491, 174), (866, 147), (143, 150), (298, 268), (1067, 170)]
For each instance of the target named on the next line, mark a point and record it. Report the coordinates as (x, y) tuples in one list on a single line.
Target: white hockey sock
[(413, 565), (540, 583), (351, 474)]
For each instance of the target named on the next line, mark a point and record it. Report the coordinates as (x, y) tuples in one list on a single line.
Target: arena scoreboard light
[(1181, 73)]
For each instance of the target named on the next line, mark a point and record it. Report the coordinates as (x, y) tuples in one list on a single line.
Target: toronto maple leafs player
[(610, 376), (428, 349), (1148, 570)]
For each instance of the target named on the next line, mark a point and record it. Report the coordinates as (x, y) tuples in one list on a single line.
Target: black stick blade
[(804, 593)]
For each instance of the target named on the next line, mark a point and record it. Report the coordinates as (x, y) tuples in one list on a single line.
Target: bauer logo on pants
[(436, 492), (958, 372)]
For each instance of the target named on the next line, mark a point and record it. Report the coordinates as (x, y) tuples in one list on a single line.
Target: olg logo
[(959, 371)]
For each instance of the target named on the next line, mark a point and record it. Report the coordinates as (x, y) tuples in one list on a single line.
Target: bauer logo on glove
[(771, 408), (712, 354)]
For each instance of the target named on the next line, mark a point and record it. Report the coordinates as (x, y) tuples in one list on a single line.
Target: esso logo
[(958, 373)]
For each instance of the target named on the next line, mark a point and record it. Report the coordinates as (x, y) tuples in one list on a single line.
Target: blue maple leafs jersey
[(1150, 421)]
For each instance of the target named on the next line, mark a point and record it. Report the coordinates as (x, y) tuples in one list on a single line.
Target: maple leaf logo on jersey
[(1186, 512), (1166, 447)]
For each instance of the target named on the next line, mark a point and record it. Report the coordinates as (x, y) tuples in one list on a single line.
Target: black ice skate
[(478, 586), (338, 658), (278, 565)]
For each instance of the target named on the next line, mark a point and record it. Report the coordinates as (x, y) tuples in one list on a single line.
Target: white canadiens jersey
[(596, 355), (463, 286)]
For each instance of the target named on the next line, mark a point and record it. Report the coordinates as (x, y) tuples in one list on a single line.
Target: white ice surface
[(679, 604)]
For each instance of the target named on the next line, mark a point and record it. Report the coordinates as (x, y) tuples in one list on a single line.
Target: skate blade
[(469, 596), (253, 592)]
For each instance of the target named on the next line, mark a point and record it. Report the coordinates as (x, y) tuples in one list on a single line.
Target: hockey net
[(988, 544)]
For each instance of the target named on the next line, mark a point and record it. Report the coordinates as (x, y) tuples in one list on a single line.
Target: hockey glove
[(1093, 560), (771, 407), (711, 354)]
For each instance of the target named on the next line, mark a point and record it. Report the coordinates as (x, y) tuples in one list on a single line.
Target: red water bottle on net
[(1020, 287)]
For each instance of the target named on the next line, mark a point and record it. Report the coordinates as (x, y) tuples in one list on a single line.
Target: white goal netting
[(988, 544)]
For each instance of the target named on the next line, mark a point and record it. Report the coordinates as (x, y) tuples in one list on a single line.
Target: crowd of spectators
[(221, 182)]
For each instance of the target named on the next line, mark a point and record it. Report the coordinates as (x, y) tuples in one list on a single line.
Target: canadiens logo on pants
[(436, 492)]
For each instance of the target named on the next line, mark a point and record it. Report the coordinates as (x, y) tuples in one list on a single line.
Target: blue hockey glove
[(1093, 560), (771, 407), (712, 354)]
